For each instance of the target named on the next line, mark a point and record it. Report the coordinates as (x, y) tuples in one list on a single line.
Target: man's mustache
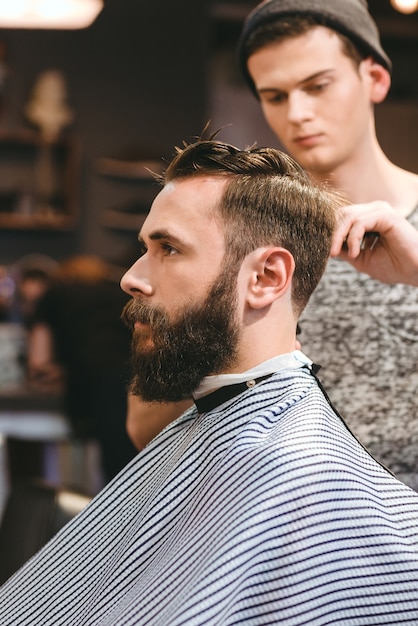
[(136, 310)]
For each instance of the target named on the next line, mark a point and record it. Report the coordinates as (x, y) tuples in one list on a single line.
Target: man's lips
[(308, 141), (139, 325)]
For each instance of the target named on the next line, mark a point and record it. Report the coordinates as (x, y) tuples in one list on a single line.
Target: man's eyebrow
[(319, 74), (302, 82), (157, 235)]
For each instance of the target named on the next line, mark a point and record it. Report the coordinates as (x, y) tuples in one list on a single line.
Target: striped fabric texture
[(264, 511)]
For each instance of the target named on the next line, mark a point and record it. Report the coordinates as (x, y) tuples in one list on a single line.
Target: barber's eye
[(276, 99), (318, 86)]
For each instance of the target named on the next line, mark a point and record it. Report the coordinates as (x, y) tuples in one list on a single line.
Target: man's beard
[(170, 358)]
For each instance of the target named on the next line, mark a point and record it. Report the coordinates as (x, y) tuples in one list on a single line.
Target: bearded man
[(257, 505)]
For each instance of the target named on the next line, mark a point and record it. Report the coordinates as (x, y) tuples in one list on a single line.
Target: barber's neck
[(376, 178)]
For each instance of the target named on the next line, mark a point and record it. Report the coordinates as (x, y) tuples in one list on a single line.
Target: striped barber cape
[(265, 510)]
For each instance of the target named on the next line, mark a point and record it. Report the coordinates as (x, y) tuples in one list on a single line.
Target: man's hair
[(268, 199)]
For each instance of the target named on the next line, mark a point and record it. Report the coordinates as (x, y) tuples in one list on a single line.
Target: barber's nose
[(299, 107), (135, 280)]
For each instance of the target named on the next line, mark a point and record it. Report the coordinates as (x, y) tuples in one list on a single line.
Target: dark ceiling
[(392, 24)]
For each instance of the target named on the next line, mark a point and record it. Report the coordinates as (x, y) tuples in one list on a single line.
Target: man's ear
[(379, 79), (271, 276)]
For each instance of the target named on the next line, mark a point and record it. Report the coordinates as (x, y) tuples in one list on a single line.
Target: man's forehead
[(193, 195), (298, 60), (183, 204), (189, 184)]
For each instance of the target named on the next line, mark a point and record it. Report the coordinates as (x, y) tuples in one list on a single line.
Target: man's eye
[(168, 249), (142, 248), (317, 87), (277, 98)]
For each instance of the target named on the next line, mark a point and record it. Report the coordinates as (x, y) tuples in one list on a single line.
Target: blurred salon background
[(86, 114)]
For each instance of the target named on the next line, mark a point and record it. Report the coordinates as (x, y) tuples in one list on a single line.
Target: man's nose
[(135, 280), (299, 107)]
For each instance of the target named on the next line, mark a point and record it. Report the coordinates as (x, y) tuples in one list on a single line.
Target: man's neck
[(371, 177)]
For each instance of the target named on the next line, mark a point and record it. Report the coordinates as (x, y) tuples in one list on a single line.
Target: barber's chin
[(316, 162)]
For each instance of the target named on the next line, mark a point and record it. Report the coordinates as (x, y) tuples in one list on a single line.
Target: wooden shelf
[(37, 222), (39, 182), (133, 189), (135, 170), (123, 221)]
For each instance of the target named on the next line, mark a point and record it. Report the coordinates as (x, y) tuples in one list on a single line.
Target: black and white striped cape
[(265, 510)]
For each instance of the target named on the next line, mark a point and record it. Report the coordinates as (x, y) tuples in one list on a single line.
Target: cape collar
[(215, 390)]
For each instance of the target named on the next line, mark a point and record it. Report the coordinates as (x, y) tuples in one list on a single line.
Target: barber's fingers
[(359, 226)]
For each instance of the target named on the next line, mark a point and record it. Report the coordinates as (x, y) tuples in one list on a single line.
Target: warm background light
[(405, 6), (67, 14)]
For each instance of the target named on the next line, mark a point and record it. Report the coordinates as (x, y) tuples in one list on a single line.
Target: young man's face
[(183, 311), (314, 98)]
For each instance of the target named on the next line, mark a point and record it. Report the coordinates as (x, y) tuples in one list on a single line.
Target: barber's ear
[(271, 276), (379, 79)]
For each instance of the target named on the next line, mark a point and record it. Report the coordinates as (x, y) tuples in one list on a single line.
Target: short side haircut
[(268, 200)]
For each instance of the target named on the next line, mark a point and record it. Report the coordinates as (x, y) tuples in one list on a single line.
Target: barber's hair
[(268, 199)]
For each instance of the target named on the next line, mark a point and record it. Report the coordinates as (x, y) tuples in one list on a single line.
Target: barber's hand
[(378, 241)]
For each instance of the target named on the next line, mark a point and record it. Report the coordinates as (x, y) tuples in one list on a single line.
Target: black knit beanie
[(349, 17)]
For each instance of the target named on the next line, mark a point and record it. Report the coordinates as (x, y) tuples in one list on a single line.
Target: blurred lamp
[(68, 14), (405, 6)]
